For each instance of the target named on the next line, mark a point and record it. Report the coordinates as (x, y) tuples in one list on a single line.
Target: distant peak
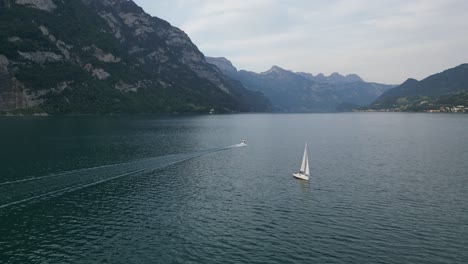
[(222, 63), (354, 78), (276, 68), (221, 59), (410, 80), (218, 59)]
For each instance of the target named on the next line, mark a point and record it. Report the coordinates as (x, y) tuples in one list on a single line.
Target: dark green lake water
[(385, 188)]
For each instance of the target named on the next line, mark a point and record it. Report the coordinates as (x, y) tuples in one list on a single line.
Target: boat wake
[(31, 189), (240, 145)]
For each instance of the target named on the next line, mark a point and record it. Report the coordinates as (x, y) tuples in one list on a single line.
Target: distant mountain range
[(106, 56), (110, 57), (303, 92), (442, 89), (334, 78)]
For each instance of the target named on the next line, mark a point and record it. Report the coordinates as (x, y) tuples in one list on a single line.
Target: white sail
[(305, 171), (305, 162)]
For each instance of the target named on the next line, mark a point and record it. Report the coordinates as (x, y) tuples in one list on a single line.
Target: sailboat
[(304, 172)]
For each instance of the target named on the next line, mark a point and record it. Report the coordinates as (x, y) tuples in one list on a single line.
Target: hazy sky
[(382, 41)]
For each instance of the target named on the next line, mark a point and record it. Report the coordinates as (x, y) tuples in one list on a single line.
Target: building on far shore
[(453, 109)]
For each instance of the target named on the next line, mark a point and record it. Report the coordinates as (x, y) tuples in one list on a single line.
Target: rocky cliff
[(106, 56)]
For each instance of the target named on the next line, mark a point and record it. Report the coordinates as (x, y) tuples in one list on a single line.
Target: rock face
[(113, 58), (41, 57), (12, 93), (302, 92), (5, 84), (46, 5)]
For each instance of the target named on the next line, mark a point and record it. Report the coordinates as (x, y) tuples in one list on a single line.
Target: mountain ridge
[(334, 77), (432, 88), (109, 56), (302, 92)]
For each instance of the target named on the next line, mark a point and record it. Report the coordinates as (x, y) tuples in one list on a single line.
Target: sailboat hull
[(301, 176)]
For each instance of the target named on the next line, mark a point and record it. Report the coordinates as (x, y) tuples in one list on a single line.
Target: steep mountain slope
[(303, 92), (435, 87), (106, 56)]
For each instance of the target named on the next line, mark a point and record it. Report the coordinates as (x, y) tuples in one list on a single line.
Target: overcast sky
[(382, 41)]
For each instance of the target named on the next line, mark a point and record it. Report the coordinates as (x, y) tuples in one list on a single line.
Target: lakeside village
[(442, 109), (455, 109)]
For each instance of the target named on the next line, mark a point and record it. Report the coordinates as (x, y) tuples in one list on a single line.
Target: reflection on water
[(305, 185)]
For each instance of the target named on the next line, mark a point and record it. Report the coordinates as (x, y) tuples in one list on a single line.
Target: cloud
[(386, 41)]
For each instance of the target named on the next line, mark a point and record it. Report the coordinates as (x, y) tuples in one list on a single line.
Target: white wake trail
[(31, 189)]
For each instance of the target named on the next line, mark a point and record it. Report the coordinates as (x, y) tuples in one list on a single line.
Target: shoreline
[(43, 115)]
